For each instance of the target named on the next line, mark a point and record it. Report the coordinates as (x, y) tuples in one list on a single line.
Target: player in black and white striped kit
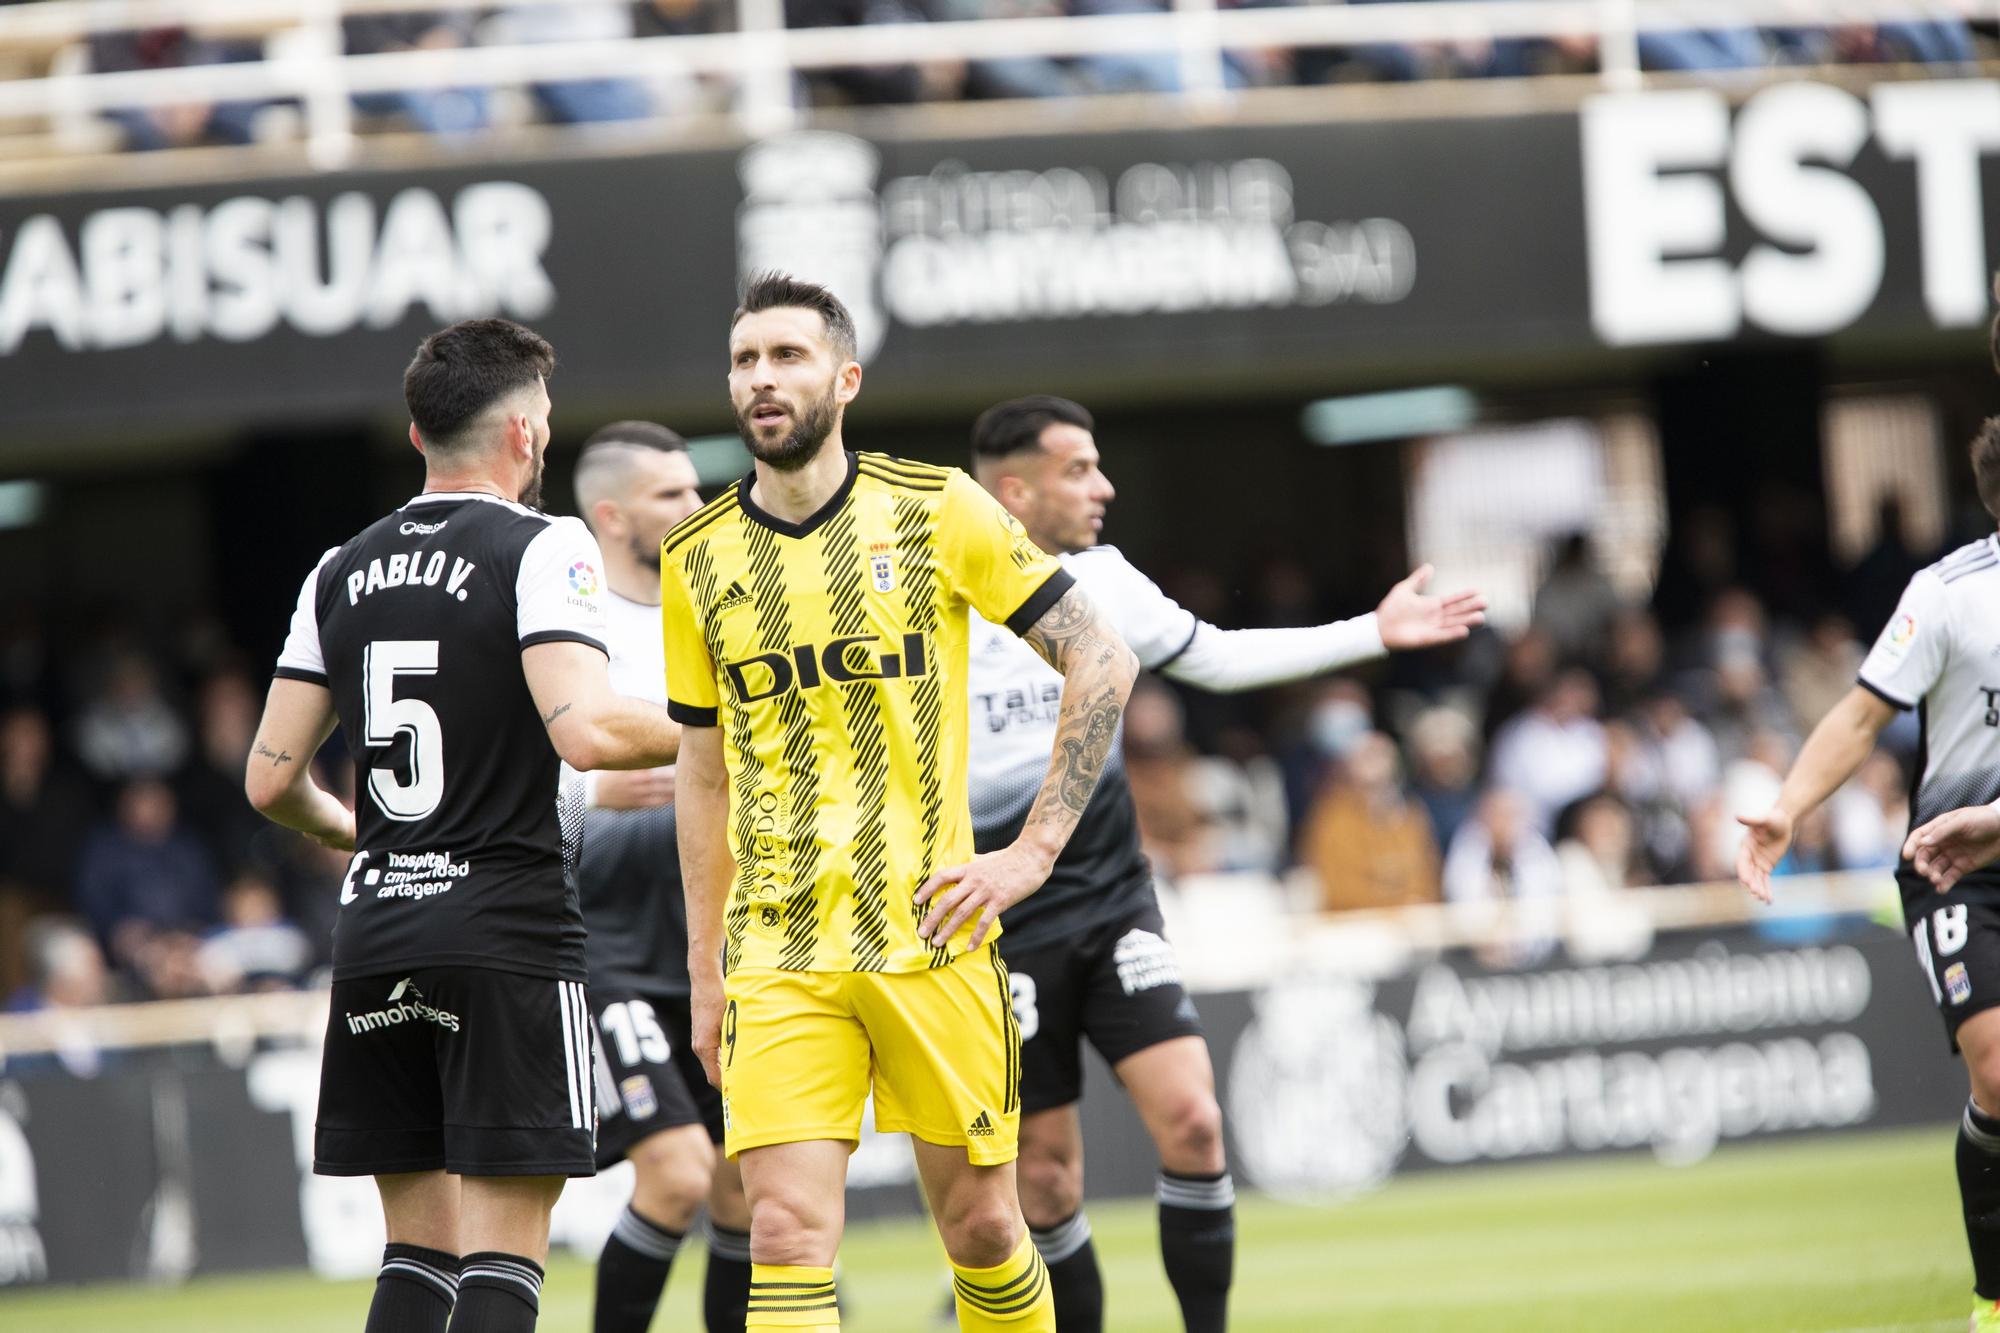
[(459, 644), (1939, 654), (634, 481), (1087, 953)]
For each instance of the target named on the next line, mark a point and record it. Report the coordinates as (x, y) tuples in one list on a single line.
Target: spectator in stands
[(1876, 582), (1339, 715), (210, 787), (1936, 42), (1014, 76), (1555, 752), (1636, 773), (130, 730), (1527, 668), (1367, 842), (66, 970), (1160, 768), (1699, 563), (868, 85), (1819, 670), (145, 877), (1597, 845), (254, 948), (1576, 602), (1870, 815), (45, 810), (1634, 658), (183, 126), (1444, 767), (1500, 860), (446, 111), (574, 101)]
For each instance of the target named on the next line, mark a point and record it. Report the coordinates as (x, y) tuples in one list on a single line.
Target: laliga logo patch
[(1957, 984), (1901, 633), (583, 579)]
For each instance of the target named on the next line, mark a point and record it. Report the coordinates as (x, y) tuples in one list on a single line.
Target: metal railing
[(304, 60)]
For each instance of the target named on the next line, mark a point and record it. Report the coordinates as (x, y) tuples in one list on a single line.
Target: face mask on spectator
[(1336, 725)]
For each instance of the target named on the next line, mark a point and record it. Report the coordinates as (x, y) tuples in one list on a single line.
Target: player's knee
[(982, 1234), (1051, 1187), (1192, 1136), (1985, 1072), (675, 1174), (791, 1230)]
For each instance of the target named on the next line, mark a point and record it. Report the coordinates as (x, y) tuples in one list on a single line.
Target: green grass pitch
[(1854, 1233)]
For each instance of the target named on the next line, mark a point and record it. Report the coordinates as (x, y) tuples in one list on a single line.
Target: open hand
[(1410, 618), (1956, 842), (1763, 846)]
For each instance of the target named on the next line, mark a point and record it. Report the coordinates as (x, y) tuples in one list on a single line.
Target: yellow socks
[(799, 1299), (1013, 1297)]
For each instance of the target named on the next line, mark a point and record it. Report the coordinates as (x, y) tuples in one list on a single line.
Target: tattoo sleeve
[(1098, 670)]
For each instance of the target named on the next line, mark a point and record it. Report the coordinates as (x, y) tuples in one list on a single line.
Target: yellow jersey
[(832, 653)]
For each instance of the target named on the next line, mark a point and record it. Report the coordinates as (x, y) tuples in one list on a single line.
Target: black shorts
[(482, 1073), (1119, 984), (1958, 946), (648, 1076)]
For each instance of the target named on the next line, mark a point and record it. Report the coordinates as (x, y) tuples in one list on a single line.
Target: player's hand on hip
[(1765, 840), (341, 836), (1954, 844), (634, 789), (705, 1005), (1409, 618), (978, 891)]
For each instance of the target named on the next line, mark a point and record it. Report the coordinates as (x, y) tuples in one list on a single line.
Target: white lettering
[(1945, 127), (123, 249), (244, 304), (414, 262), (41, 288)]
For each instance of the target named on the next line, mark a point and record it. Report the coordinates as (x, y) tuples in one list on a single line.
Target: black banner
[(178, 1164), (1297, 256)]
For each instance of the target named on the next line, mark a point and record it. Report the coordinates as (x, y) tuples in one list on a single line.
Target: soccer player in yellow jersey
[(840, 929)]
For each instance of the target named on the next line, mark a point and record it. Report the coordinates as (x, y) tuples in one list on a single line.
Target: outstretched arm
[(1227, 661), (591, 725), (1837, 747), (298, 717), (1098, 670)]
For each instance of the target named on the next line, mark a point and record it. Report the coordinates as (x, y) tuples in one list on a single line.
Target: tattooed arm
[(1098, 671), (298, 717), (591, 725)]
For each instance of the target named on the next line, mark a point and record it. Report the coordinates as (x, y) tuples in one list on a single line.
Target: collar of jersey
[(441, 497), (813, 520)]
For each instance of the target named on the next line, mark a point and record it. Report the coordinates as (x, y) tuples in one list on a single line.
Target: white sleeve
[(559, 591), (1226, 660), (301, 658), (1153, 625), (1910, 654)]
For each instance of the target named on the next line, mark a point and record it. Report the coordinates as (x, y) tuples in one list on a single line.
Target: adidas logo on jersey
[(982, 1128), (732, 597)]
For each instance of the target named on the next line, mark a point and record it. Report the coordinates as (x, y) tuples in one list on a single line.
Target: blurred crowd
[(448, 110), (1607, 745)]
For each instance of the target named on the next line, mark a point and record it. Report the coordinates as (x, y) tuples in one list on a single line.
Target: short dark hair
[(1016, 425), (459, 372), (1985, 453), (771, 290), (639, 434)]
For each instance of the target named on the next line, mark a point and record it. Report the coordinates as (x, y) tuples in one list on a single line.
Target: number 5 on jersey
[(384, 717)]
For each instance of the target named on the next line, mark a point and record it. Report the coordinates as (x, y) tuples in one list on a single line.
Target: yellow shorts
[(940, 1047)]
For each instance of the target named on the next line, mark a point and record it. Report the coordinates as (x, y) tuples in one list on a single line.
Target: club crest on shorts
[(882, 568), (1957, 984), (640, 1100)]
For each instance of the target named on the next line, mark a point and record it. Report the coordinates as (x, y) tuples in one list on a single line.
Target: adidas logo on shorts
[(982, 1128)]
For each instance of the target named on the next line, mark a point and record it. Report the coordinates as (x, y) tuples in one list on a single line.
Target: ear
[(416, 440), (848, 386), (1013, 492), (605, 518)]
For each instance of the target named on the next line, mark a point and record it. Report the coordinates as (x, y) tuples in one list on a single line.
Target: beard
[(801, 445), (531, 494), (647, 554)]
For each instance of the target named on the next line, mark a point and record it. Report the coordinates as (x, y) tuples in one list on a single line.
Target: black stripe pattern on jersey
[(869, 942), (902, 473), (914, 529), (702, 582), (774, 627), (700, 521)]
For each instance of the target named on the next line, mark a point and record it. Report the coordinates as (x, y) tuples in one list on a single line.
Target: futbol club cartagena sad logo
[(583, 579)]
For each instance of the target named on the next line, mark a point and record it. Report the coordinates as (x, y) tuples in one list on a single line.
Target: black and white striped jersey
[(1940, 654), (417, 626)]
